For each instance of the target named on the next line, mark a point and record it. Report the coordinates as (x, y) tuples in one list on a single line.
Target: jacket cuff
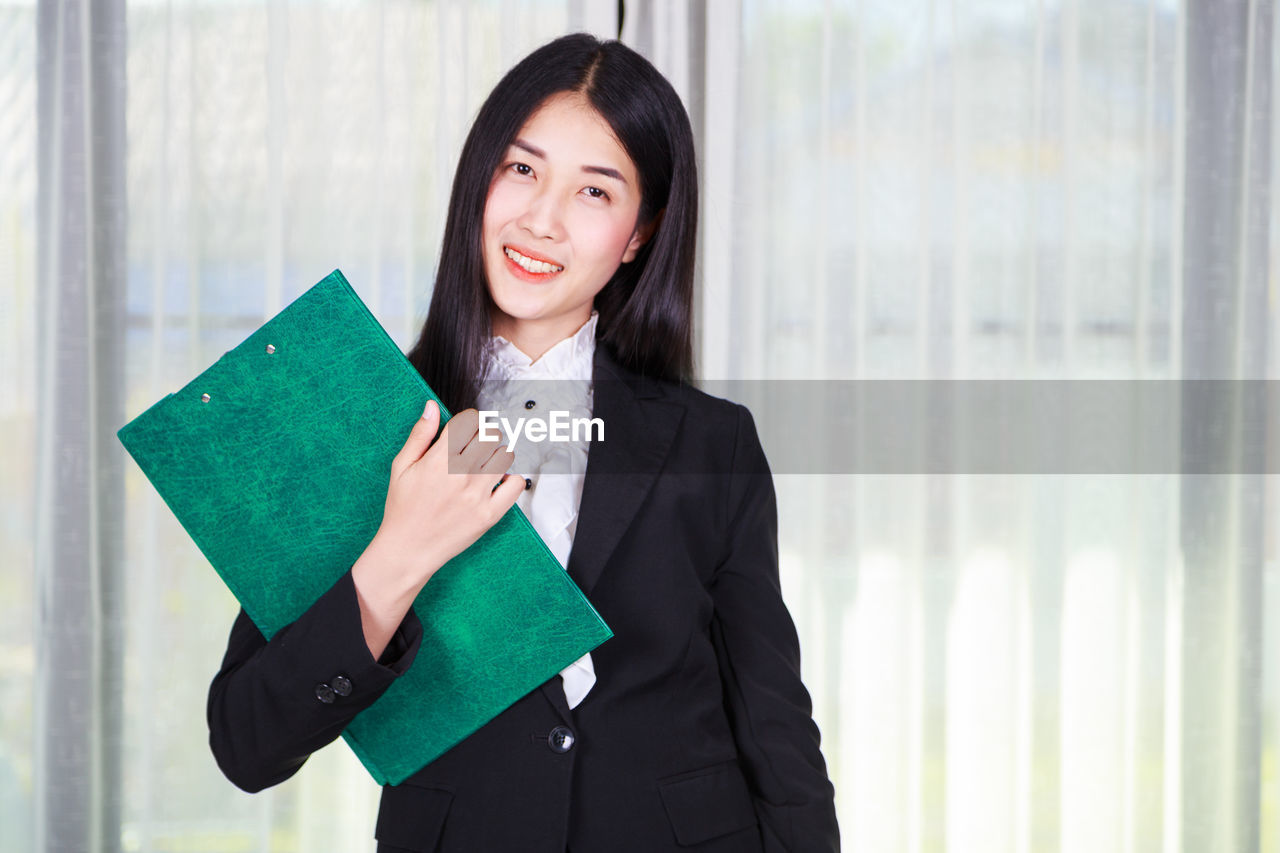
[(403, 646), (332, 669)]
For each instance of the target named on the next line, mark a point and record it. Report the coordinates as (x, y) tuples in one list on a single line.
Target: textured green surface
[(280, 478)]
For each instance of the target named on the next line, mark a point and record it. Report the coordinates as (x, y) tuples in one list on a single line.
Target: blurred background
[(892, 190)]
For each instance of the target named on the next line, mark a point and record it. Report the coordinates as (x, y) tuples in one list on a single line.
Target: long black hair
[(646, 308)]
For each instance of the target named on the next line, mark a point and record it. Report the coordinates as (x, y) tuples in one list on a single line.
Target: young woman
[(568, 254)]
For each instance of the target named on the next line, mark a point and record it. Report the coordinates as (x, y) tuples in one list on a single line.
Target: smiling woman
[(561, 215), (568, 255)]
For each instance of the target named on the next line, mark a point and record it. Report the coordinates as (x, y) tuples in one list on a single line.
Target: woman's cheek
[(611, 235), (499, 201)]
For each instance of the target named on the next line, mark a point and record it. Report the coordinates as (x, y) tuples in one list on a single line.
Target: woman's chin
[(519, 311)]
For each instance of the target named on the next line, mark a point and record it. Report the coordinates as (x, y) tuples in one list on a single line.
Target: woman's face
[(559, 220)]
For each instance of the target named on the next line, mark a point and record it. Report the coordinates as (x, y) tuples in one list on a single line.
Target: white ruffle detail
[(559, 381)]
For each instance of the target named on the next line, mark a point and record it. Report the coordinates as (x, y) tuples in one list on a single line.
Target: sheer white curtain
[(17, 406), (1018, 191)]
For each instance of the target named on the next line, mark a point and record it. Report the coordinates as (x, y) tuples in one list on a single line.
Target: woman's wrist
[(387, 581), (397, 570)]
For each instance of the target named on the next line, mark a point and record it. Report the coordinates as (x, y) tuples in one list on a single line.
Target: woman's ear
[(641, 236)]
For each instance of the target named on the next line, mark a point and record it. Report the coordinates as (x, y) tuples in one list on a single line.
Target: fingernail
[(426, 411)]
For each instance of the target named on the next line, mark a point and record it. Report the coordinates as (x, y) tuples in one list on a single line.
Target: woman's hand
[(441, 499)]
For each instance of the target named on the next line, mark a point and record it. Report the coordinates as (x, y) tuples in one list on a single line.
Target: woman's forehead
[(566, 127)]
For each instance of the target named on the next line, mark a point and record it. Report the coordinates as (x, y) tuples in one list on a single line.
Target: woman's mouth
[(529, 268)]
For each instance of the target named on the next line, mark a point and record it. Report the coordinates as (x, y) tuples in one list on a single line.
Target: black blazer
[(698, 733)]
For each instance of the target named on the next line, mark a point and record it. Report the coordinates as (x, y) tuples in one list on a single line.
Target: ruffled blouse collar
[(571, 358)]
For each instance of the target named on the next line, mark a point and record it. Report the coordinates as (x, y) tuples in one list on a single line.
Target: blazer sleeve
[(769, 709), (274, 703)]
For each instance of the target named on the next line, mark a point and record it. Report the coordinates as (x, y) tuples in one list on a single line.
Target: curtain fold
[(1227, 222), (78, 548)]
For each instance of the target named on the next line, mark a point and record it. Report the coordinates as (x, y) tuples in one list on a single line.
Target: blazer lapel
[(553, 689), (638, 429)]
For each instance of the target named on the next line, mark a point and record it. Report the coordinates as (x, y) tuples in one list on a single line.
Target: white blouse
[(559, 381)]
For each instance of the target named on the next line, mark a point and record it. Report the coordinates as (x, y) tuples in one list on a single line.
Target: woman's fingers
[(420, 438), (444, 492), (498, 461), (467, 450), (505, 495), (461, 431), (473, 453)]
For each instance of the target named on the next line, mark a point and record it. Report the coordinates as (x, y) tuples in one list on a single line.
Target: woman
[(568, 254)]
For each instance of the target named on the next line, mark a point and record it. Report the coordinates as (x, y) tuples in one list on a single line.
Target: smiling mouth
[(530, 265)]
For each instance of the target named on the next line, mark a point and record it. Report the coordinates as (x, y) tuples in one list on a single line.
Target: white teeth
[(529, 263)]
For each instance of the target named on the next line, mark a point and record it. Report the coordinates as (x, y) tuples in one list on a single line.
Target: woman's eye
[(522, 169), (596, 192)]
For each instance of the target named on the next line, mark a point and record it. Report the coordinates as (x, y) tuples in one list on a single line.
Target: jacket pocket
[(707, 803), (412, 817)]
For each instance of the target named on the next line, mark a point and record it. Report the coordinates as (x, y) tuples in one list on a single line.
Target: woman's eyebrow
[(532, 149), (607, 171)]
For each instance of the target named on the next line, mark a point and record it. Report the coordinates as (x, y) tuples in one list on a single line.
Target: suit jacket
[(698, 734)]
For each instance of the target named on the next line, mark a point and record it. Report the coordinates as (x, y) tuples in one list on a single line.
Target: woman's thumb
[(420, 438)]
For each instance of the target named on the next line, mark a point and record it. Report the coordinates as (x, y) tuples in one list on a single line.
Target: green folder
[(276, 461)]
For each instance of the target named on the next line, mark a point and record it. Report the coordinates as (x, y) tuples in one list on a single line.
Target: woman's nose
[(543, 217)]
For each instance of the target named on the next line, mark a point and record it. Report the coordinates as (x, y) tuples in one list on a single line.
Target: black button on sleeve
[(342, 685), (325, 693)]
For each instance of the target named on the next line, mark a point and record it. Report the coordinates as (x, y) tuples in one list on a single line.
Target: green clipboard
[(275, 460)]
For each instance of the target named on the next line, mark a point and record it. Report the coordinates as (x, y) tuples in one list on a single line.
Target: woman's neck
[(534, 338)]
